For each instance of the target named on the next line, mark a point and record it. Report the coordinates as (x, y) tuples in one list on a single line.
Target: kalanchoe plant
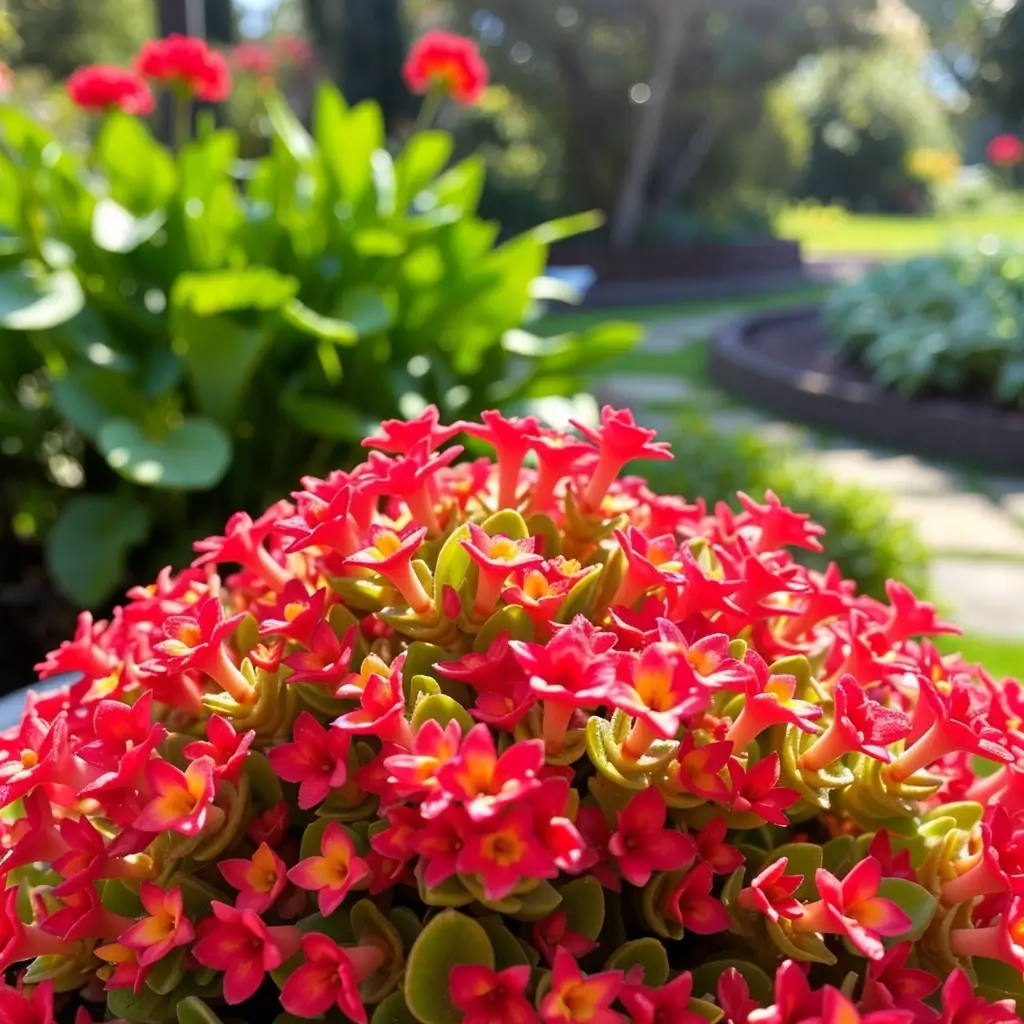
[(180, 328), (513, 741)]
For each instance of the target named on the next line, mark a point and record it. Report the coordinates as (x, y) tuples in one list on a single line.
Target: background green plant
[(181, 333), (949, 324)]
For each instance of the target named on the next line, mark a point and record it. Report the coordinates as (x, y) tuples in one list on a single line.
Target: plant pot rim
[(12, 703)]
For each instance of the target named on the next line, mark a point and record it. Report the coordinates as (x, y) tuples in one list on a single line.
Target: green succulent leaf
[(449, 939), (914, 900)]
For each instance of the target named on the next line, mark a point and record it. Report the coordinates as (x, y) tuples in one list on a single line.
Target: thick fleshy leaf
[(194, 1011), (392, 1011), (449, 939), (914, 900), (88, 546), (648, 953), (583, 902), (191, 457)]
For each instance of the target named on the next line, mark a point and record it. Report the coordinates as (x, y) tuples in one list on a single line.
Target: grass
[(832, 231), (1000, 656)]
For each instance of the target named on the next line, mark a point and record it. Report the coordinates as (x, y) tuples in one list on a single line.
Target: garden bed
[(781, 361), (648, 274)]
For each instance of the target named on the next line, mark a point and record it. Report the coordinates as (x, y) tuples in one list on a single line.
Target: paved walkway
[(973, 523)]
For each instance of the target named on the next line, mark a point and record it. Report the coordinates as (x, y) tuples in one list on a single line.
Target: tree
[(61, 35), (362, 44), (644, 94)]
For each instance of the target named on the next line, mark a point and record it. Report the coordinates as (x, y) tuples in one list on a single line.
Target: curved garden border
[(943, 428)]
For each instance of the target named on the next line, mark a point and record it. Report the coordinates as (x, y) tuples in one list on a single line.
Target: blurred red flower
[(186, 64), (451, 63), (254, 59), (100, 87), (1005, 151), (291, 49), (6, 79)]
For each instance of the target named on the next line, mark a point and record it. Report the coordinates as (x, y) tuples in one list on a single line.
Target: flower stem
[(429, 110), (181, 113), (828, 747)]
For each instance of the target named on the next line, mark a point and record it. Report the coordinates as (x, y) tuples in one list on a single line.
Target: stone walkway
[(974, 524)]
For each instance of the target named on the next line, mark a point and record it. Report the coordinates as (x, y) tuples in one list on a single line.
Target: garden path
[(973, 523)]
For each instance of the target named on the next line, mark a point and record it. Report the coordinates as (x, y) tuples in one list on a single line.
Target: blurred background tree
[(645, 96), (60, 35), (362, 45)]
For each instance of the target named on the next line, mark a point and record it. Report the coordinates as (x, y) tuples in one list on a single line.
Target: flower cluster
[(183, 64), (513, 741), (448, 64)]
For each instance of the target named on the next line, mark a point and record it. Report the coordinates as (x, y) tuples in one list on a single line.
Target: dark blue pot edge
[(11, 705)]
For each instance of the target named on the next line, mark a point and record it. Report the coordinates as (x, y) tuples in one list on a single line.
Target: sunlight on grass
[(832, 231), (1000, 656)]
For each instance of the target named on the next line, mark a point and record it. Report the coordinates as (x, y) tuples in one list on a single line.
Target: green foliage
[(946, 324), (188, 332), (866, 115), (60, 35), (862, 536)]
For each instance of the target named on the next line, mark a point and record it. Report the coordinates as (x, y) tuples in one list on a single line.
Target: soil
[(34, 618)]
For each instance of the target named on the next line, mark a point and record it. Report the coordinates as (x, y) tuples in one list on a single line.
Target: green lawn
[(1001, 657), (831, 231)]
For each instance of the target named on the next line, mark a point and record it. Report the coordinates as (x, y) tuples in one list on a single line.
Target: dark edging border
[(936, 428)]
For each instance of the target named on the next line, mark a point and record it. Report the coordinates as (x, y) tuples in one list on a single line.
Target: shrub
[(866, 540), (942, 324), (478, 742), (183, 330)]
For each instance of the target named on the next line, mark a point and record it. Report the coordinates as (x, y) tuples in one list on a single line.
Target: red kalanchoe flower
[(664, 691), (665, 1005), (619, 440), (334, 873), (328, 660), (317, 760), (890, 984), (271, 826), (503, 852), (1003, 940), (485, 996), (400, 437), (691, 904), (259, 879), (103, 88), (643, 845), (957, 722), (17, 1007), (770, 700), (894, 865), (186, 65), (227, 749), (757, 790), (1004, 150), (910, 617), (698, 769), (181, 801), (196, 643), (859, 725), (484, 783), (390, 554), (852, 907), (448, 63), (771, 893), (552, 933), (165, 928), (495, 558), (254, 59), (577, 998), (573, 670), (733, 996), (777, 526), (712, 848), (238, 943), (961, 1006), (330, 977)]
